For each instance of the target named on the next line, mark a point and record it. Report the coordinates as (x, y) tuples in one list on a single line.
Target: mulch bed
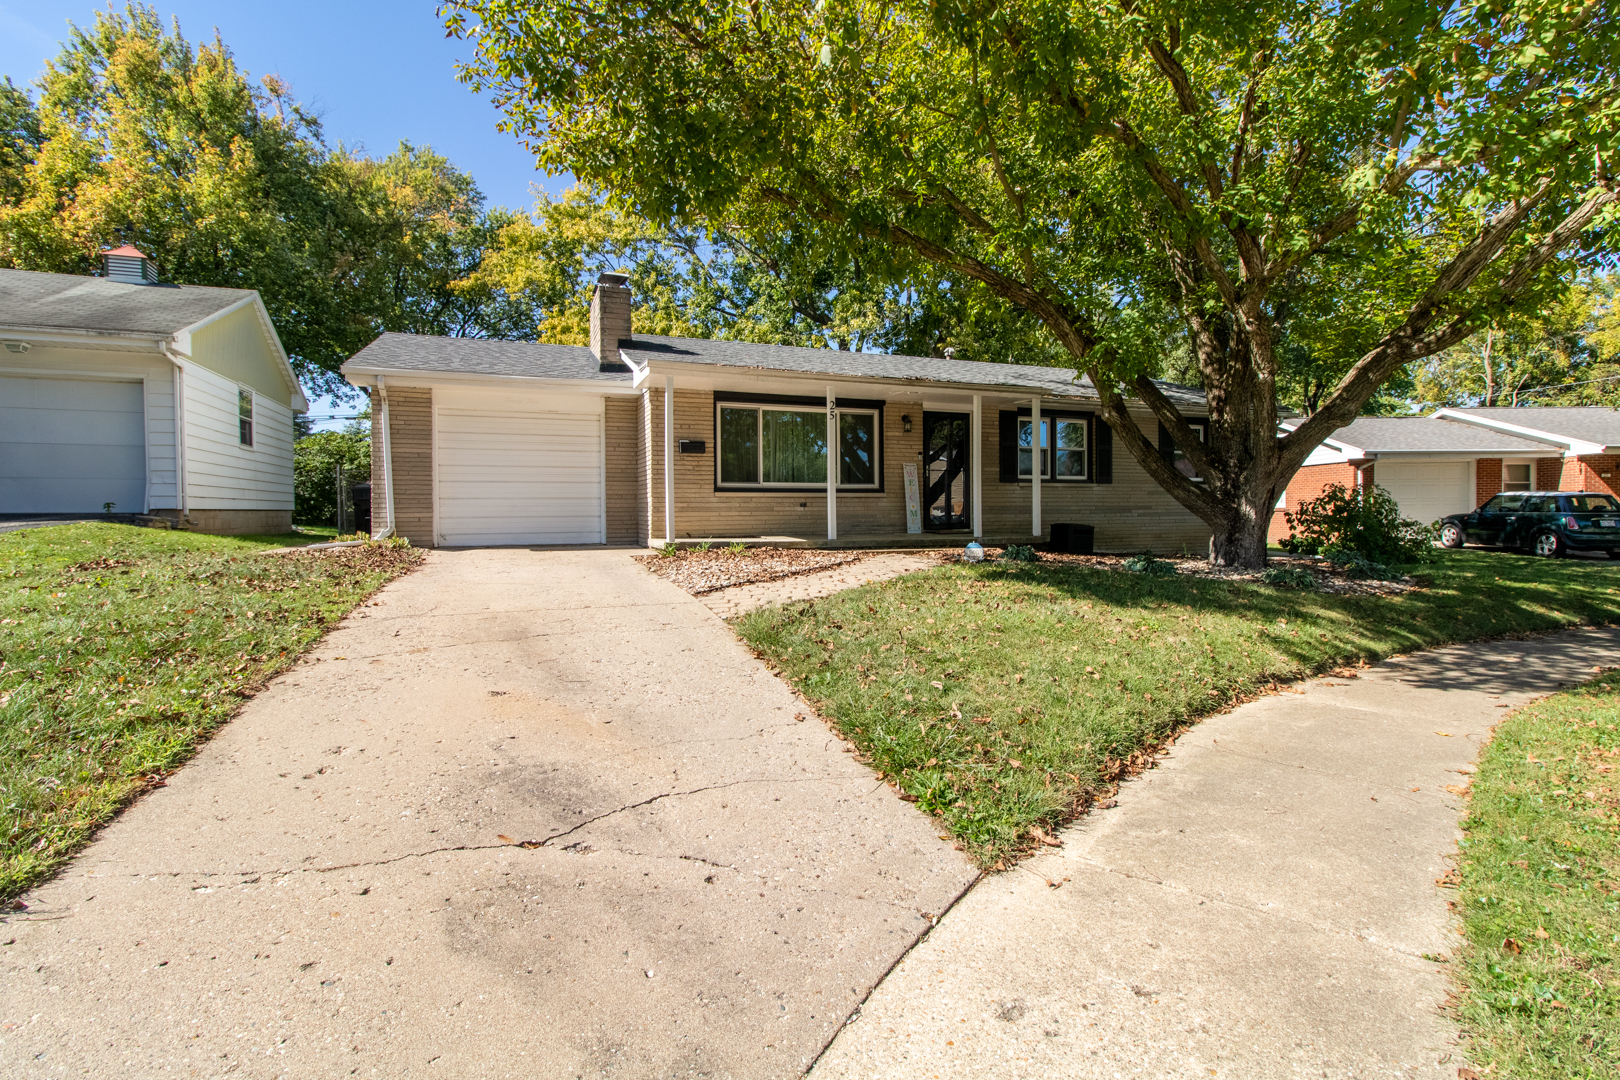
[(700, 572)]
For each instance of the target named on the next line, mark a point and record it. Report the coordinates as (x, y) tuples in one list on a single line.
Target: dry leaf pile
[(701, 572)]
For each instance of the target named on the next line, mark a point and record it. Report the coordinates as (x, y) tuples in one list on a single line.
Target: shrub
[(1356, 565), (1015, 553), (1364, 521), (1145, 563), (1289, 577)]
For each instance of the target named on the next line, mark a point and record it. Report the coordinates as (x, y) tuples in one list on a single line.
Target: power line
[(1565, 386)]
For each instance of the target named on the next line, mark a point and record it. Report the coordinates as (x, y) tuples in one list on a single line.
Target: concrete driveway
[(529, 814)]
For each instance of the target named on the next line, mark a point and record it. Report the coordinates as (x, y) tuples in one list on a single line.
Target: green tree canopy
[(1370, 180)]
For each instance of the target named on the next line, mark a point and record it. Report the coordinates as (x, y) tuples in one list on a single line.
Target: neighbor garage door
[(1428, 490), (510, 472), (69, 446)]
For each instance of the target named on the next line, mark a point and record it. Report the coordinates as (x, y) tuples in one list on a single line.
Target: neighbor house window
[(766, 446), (1069, 460), (244, 417), (1516, 476)]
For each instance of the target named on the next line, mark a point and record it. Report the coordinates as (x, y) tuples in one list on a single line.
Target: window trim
[(735, 400), (1049, 474), (245, 424)]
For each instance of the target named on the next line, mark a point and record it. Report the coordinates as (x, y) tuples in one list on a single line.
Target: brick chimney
[(610, 319)]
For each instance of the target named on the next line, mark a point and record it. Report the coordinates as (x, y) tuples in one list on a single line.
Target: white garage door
[(68, 446), (516, 474), (1428, 490)]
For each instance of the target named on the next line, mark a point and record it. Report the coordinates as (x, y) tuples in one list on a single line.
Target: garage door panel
[(69, 446), (1428, 490), (508, 476)]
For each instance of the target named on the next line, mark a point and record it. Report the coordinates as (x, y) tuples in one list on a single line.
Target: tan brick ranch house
[(639, 440), (1452, 461)]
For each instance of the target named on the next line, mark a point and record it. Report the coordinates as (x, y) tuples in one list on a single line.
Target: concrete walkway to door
[(532, 814), (1261, 905)]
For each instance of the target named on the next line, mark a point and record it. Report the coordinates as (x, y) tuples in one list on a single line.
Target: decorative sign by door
[(913, 500)]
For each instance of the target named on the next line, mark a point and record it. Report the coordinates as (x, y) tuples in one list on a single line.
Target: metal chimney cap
[(621, 281)]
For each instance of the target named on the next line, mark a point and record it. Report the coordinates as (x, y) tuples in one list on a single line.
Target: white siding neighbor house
[(171, 400)]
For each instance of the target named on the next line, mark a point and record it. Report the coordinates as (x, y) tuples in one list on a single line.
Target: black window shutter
[(1167, 445), (1104, 467), (1009, 447)]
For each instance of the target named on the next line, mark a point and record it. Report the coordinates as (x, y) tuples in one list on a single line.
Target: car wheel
[(1548, 545), (1451, 535)]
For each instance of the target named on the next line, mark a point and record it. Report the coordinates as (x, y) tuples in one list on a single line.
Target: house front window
[(1069, 459), (763, 446), (1517, 476)]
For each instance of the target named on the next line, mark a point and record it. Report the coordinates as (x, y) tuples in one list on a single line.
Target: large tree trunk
[(1239, 540)]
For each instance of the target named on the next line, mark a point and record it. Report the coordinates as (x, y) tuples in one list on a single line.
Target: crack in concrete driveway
[(713, 888)]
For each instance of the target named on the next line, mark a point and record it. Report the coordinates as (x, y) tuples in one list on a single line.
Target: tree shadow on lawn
[(1005, 696)]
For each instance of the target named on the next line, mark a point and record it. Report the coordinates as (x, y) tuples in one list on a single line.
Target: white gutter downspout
[(388, 465), (182, 496)]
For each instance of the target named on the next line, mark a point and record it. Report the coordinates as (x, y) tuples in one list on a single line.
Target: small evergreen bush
[(1363, 521), (1016, 553)]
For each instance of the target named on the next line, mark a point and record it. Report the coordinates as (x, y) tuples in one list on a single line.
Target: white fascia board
[(182, 343), (1325, 455), (1463, 455), (112, 340), (727, 376), (367, 376), (1574, 446)]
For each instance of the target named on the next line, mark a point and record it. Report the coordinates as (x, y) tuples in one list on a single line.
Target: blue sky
[(375, 72)]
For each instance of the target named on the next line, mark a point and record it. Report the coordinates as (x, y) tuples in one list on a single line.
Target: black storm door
[(945, 471)]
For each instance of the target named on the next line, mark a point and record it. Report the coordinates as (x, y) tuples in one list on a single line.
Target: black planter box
[(1072, 539)]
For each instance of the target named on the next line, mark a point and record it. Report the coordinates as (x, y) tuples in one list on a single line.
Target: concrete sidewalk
[(530, 814), (1258, 906)]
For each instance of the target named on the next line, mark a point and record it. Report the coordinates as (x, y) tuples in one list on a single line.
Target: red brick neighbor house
[(1450, 462), (639, 440)]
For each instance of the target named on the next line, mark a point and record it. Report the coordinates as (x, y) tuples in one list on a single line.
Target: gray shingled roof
[(743, 354), (1426, 434), (483, 356), (30, 300), (1592, 423)]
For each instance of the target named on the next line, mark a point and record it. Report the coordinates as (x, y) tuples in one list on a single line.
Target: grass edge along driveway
[(1539, 891), (1007, 698), (122, 649)]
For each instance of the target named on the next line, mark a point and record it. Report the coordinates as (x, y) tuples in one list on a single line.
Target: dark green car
[(1547, 523)]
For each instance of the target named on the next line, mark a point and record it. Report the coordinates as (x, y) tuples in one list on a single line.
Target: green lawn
[(122, 648), (1539, 978), (1007, 697)]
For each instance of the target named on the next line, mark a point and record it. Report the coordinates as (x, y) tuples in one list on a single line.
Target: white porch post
[(976, 465), (1035, 469), (832, 465), (669, 459)]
